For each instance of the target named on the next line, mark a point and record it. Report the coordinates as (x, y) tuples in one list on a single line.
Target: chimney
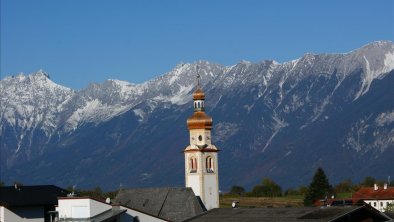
[(375, 187), (385, 186)]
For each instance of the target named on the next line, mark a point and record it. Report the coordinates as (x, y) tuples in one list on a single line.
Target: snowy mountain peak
[(103, 101), (383, 44), (274, 62), (38, 79), (265, 106), (42, 73), (120, 82), (379, 52)]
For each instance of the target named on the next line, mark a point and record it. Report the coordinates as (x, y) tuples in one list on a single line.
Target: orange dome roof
[(198, 94), (199, 120)]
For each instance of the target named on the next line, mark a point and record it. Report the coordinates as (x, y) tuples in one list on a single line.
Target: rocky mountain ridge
[(262, 111)]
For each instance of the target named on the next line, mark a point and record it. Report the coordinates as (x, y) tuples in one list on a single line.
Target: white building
[(201, 156), (377, 197), (88, 210), (80, 208)]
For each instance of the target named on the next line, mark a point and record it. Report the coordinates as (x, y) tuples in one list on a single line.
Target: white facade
[(22, 214), (201, 177), (201, 157), (80, 208), (380, 205)]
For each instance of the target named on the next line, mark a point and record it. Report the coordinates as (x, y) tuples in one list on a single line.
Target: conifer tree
[(318, 189)]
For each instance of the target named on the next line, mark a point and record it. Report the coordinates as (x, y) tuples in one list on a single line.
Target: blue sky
[(84, 41)]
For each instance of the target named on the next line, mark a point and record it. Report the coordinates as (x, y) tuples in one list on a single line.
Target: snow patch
[(278, 124), (182, 97), (370, 74), (80, 113), (140, 113), (385, 118), (177, 72), (224, 130), (388, 62), (95, 112)]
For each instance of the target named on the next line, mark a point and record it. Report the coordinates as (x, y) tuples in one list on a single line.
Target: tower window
[(193, 165), (209, 164), (198, 104)]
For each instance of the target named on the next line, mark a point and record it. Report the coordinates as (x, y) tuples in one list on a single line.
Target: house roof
[(299, 214), (108, 215), (369, 193), (40, 195), (174, 204)]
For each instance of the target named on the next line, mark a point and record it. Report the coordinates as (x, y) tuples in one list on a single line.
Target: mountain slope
[(270, 120)]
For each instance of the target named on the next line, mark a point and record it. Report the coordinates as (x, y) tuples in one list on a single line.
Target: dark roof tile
[(300, 214), (175, 204)]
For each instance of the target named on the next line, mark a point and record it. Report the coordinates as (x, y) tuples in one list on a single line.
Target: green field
[(287, 201)]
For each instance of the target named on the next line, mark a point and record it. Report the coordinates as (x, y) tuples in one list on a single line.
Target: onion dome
[(199, 120), (198, 94)]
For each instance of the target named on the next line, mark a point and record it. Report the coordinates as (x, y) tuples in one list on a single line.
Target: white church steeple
[(201, 157)]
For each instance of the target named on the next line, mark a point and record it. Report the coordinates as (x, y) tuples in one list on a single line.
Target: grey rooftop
[(174, 204), (290, 214)]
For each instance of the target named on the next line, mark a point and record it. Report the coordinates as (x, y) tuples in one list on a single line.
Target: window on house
[(209, 165), (374, 204)]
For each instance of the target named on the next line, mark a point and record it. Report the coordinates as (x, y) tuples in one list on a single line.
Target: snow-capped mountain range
[(270, 120)]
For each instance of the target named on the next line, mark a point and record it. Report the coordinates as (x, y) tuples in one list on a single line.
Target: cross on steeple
[(198, 80), (198, 76)]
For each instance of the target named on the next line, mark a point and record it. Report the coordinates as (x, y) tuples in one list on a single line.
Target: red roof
[(369, 193)]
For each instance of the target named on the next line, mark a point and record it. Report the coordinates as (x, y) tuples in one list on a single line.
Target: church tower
[(201, 156)]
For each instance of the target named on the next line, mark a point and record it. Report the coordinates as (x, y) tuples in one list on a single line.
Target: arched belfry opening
[(193, 165), (209, 164)]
